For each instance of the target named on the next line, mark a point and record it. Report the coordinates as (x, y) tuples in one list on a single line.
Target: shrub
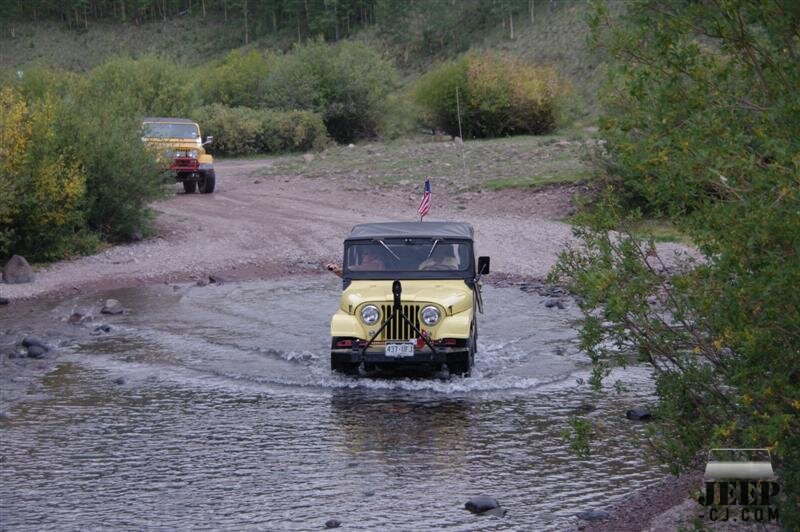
[(497, 96), (435, 93), (147, 86), (122, 175), (347, 84), (243, 131), (236, 130), (238, 81)]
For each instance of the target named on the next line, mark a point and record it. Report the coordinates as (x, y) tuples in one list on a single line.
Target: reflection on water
[(229, 418)]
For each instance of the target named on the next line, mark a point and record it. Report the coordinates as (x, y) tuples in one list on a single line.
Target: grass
[(535, 181), (512, 162), (659, 231)]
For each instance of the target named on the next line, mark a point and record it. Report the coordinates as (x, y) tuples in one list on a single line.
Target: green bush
[(436, 91), (238, 81), (347, 84), (243, 131), (122, 176), (147, 86), (497, 96)]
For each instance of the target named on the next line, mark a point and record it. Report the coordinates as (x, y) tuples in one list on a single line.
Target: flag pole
[(460, 133)]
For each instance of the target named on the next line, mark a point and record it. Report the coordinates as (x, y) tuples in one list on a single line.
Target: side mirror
[(483, 265), (209, 140)]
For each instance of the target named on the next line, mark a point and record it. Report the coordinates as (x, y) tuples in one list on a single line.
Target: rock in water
[(102, 328), (112, 306), (119, 381), (30, 341), (478, 505), (333, 523), (639, 413), (593, 515), (4, 301), (216, 279), (497, 512), (17, 271), (36, 351)]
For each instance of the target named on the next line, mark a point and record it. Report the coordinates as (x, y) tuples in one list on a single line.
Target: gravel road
[(264, 227)]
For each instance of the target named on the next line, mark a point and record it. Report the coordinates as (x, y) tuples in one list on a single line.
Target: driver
[(370, 261), (442, 258)]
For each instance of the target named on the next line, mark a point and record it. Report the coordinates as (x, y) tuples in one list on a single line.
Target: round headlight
[(430, 315), (193, 154), (179, 153), (370, 314)]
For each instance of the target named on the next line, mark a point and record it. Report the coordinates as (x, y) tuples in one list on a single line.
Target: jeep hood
[(186, 144), (453, 295)]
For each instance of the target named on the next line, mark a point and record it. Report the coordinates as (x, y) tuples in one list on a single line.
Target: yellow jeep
[(178, 140), (411, 291)]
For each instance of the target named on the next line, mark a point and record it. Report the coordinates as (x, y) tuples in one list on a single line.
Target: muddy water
[(229, 418)]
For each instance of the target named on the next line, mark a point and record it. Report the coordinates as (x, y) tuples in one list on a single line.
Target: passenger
[(442, 258), (370, 261)]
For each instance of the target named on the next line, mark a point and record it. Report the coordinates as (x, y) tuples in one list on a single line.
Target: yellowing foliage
[(42, 193), (499, 95), (14, 130)]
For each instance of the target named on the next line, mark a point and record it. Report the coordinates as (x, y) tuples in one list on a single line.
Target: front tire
[(189, 186), (207, 182), (464, 368)]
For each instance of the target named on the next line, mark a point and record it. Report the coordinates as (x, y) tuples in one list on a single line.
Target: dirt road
[(259, 226)]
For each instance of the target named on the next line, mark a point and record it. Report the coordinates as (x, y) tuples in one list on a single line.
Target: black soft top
[(460, 230), (157, 119)]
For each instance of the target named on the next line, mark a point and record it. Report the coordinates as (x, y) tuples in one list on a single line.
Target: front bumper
[(422, 356), (185, 165)]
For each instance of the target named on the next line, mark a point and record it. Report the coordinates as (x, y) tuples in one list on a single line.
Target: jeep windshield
[(163, 130), (406, 255)]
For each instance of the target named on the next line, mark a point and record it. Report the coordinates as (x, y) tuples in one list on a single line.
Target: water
[(229, 418)]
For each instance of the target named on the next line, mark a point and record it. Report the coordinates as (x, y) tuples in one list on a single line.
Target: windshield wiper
[(381, 242), (432, 248)]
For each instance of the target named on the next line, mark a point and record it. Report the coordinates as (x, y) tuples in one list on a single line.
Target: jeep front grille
[(398, 328)]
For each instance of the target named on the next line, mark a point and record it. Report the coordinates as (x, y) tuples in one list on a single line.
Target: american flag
[(425, 204)]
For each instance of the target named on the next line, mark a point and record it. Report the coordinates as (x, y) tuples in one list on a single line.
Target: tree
[(702, 126)]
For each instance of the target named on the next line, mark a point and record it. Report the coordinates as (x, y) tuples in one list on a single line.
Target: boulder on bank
[(17, 271), (112, 306)]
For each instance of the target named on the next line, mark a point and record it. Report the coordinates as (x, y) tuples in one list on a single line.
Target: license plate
[(399, 350)]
